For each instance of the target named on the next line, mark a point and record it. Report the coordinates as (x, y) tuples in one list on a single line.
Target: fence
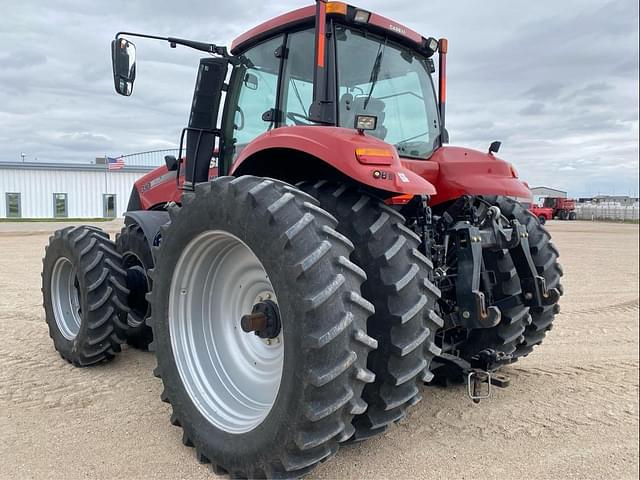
[(153, 158), (608, 211)]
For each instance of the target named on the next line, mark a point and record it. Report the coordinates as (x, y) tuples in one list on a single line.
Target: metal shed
[(539, 193), (50, 190)]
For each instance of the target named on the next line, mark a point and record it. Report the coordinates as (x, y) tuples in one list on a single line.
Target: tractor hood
[(457, 171)]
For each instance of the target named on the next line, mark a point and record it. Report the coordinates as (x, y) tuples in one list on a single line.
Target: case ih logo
[(397, 29)]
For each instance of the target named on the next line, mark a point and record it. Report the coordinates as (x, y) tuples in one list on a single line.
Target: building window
[(59, 205), (109, 205), (14, 207)]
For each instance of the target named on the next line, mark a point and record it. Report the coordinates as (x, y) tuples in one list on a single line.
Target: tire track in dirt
[(545, 403), (608, 310), (33, 376), (617, 321)]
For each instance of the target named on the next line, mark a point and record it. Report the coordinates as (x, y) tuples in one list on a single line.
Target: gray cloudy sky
[(556, 81)]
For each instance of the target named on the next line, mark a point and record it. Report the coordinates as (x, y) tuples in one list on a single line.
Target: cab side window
[(258, 93), (298, 78)]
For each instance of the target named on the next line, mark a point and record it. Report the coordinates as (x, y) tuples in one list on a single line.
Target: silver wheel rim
[(65, 298), (232, 377)]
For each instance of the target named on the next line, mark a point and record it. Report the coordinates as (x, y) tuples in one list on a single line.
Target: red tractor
[(554, 207), (562, 208), (318, 254)]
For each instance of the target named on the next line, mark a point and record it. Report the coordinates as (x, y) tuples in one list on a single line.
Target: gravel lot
[(571, 411)]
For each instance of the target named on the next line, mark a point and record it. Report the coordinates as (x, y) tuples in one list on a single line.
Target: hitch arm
[(473, 312), (534, 288)]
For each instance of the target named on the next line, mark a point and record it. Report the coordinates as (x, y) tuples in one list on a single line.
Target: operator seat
[(351, 106)]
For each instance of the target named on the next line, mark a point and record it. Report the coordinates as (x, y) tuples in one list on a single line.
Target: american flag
[(115, 163)]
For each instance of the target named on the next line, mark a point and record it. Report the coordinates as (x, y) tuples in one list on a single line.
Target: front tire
[(83, 287), (256, 409), (137, 260)]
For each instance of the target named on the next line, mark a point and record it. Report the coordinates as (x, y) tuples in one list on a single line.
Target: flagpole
[(106, 168)]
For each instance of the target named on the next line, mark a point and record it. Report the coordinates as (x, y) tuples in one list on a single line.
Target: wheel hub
[(264, 320)]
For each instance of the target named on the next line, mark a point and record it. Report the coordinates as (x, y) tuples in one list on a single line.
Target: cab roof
[(306, 15)]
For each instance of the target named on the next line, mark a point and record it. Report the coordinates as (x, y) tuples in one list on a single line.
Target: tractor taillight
[(374, 156), (336, 7)]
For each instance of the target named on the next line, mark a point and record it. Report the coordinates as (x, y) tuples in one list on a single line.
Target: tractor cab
[(377, 84), (328, 65)]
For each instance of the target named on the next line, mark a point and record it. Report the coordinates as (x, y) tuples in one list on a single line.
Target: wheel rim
[(231, 376), (65, 298)]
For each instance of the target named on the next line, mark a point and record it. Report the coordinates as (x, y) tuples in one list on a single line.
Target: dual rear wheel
[(352, 345)]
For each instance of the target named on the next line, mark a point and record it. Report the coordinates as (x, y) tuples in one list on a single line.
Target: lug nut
[(466, 314)]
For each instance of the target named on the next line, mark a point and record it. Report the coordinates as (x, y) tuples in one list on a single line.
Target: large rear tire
[(257, 407), (137, 260), (83, 288), (545, 256), (399, 286)]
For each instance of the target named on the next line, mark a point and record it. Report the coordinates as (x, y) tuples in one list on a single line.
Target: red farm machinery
[(555, 207), (317, 251)]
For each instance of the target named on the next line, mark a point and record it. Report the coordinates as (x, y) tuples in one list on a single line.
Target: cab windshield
[(392, 82)]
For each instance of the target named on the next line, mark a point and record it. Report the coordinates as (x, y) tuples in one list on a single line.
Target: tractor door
[(251, 104), (272, 87)]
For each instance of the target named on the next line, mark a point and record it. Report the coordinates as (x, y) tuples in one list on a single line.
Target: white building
[(540, 193), (65, 190)]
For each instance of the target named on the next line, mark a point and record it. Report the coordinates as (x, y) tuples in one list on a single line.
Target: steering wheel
[(295, 118)]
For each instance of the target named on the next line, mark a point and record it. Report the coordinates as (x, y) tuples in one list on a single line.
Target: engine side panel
[(159, 187), (457, 171)]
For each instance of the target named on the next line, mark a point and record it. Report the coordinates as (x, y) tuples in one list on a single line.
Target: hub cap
[(232, 377), (65, 298)]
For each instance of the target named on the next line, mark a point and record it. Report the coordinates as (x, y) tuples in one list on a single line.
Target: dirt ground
[(571, 411)]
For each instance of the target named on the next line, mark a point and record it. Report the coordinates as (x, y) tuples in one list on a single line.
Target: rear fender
[(336, 147), (150, 221), (457, 171)]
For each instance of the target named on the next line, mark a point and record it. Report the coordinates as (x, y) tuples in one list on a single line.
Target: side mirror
[(251, 81), (123, 60), (494, 147), (171, 162)]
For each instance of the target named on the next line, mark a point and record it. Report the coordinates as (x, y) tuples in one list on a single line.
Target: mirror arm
[(204, 47)]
